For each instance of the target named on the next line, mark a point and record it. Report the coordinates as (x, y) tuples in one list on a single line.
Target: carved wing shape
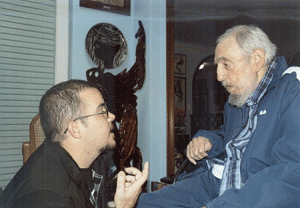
[(128, 132), (134, 78)]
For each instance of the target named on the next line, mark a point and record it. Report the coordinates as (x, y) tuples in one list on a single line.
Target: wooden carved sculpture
[(122, 100)]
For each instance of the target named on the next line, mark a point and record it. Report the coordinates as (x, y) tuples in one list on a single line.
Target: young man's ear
[(258, 59), (74, 129)]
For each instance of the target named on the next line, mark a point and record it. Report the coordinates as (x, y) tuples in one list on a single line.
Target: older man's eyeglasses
[(104, 110)]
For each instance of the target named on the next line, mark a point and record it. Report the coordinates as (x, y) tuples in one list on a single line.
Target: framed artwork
[(115, 6), (180, 63), (180, 93)]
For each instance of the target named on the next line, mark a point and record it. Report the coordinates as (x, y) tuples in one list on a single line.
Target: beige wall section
[(62, 41)]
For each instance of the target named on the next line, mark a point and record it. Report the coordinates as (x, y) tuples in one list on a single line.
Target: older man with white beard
[(254, 159)]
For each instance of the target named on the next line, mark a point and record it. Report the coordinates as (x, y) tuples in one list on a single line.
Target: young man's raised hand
[(129, 186)]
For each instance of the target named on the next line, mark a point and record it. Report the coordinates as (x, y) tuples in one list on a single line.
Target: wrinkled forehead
[(227, 50)]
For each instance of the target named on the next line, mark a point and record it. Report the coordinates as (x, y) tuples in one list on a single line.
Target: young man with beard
[(69, 168), (254, 159)]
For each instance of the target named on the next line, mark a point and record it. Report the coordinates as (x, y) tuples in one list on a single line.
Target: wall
[(152, 97), (195, 53), (62, 47)]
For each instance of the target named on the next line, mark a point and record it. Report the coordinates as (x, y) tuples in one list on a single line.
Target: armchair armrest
[(26, 151)]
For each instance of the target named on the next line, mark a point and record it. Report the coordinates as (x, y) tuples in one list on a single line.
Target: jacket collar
[(67, 161), (279, 69)]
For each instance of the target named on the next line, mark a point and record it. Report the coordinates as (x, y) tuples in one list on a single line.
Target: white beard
[(239, 100)]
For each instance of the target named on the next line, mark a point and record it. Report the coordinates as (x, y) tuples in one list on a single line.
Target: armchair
[(36, 138)]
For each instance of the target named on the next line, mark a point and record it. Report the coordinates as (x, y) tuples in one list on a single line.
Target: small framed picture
[(180, 93), (180, 63), (115, 6)]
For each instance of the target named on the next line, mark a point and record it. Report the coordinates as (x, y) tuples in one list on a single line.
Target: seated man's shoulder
[(42, 179), (39, 198)]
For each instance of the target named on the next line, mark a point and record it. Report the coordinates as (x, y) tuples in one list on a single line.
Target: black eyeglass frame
[(82, 117)]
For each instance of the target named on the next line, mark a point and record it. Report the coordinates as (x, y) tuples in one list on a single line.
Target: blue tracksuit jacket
[(271, 163)]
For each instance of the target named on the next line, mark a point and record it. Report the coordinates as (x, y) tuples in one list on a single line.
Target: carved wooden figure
[(121, 98)]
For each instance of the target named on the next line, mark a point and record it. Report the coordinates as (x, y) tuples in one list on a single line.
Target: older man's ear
[(258, 60)]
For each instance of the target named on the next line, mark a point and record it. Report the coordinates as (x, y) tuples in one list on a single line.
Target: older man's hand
[(129, 186), (197, 149)]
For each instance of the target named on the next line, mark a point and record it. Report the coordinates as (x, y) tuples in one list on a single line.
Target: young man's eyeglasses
[(103, 111)]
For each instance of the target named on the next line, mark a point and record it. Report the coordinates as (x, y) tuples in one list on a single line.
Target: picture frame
[(180, 93), (115, 6), (180, 64)]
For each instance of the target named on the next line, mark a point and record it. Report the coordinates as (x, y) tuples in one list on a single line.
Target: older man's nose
[(220, 73)]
